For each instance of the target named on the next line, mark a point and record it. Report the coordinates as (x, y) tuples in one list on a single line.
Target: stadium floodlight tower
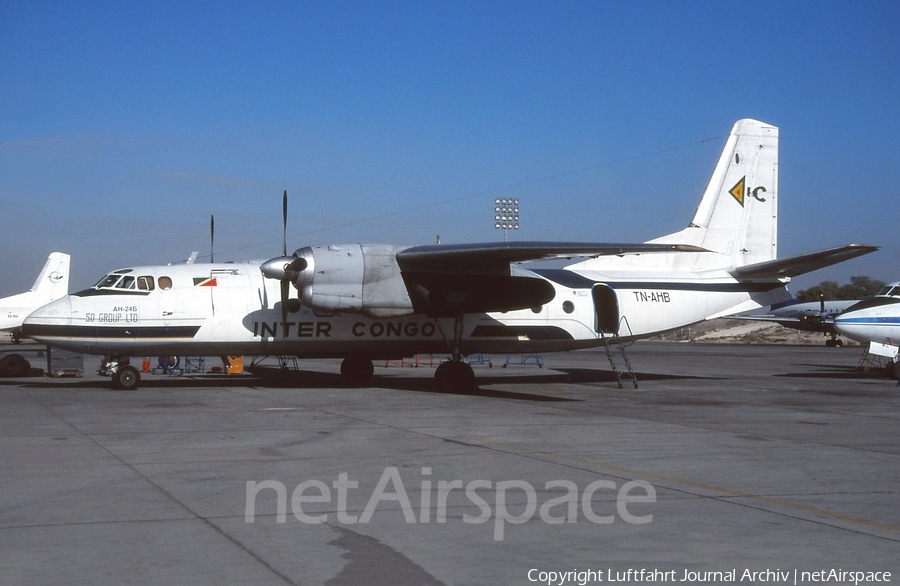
[(506, 214)]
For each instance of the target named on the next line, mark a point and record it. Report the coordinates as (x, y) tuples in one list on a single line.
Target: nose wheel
[(126, 378)]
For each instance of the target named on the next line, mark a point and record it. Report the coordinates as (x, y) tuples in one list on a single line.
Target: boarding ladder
[(615, 346), (870, 361)]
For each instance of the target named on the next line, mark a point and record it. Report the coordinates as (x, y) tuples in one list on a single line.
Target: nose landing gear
[(124, 376)]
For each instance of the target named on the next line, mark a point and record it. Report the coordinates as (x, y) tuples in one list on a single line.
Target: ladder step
[(616, 339)]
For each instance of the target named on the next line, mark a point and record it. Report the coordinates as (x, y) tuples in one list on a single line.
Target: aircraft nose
[(852, 326), (44, 321)]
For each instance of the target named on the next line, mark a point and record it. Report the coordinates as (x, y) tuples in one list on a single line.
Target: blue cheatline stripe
[(869, 321)]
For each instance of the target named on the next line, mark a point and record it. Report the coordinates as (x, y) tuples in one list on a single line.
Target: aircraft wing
[(804, 323), (447, 280), (804, 263), (474, 257)]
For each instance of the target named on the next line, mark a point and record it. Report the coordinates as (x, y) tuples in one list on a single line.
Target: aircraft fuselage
[(210, 309)]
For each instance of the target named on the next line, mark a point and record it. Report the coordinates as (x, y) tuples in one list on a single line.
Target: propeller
[(212, 237), (284, 268), (285, 283), (284, 220)]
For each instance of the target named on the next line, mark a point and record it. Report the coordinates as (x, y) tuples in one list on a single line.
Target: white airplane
[(365, 302), (52, 283), (806, 316), (875, 320)]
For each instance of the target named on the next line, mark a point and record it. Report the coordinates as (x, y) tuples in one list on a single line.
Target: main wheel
[(126, 378), (455, 377), (357, 370)]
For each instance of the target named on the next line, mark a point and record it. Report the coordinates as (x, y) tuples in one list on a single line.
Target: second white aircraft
[(875, 320), (51, 284)]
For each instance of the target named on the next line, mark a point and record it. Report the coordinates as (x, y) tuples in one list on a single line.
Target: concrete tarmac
[(727, 460)]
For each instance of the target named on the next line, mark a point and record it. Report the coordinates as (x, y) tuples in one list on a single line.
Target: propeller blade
[(286, 269), (284, 230), (285, 291), (212, 237)]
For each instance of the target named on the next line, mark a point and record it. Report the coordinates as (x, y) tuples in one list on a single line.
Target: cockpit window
[(890, 290), (108, 281), (125, 283), (118, 281)]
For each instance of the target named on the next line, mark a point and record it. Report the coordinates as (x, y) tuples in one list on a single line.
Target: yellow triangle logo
[(737, 192)]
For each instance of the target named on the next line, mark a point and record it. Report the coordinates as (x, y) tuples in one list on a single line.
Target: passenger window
[(145, 283), (165, 283)]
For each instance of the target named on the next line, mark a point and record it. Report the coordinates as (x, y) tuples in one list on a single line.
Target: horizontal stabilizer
[(472, 257), (782, 321), (804, 263)]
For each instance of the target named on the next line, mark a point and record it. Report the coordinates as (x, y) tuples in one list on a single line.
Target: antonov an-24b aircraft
[(365, 302)]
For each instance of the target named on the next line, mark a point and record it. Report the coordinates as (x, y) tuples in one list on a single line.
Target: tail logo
[(740, 191)]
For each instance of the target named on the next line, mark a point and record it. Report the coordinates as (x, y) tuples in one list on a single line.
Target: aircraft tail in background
[(51, 284)]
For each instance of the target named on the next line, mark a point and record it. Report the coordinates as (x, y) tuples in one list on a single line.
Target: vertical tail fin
[(53, 281), (738, 215)]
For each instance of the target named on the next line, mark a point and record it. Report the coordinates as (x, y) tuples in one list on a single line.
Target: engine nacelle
[(361, 278)]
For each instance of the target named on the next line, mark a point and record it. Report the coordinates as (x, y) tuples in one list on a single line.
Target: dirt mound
[(734, 331)]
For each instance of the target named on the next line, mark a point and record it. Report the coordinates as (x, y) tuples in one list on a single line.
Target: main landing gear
[(357, 370), (455, 376)]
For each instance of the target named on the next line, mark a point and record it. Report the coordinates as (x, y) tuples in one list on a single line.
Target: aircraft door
[(606, 309), (228, 289)]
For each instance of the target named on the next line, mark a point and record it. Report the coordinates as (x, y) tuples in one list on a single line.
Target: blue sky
[(125, 125)]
